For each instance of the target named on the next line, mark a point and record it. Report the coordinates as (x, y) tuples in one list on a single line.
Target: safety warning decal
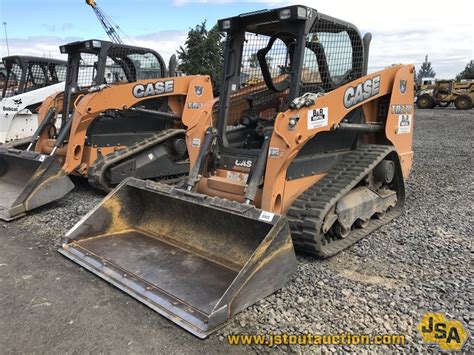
[(196, 142), (404, 124), (318, 118), (274, 152)]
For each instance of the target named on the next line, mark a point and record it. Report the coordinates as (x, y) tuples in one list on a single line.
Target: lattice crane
[(106, 22)]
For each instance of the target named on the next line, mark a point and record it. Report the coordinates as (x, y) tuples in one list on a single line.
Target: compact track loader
[(121, 117), (27, 82), (313, 158)]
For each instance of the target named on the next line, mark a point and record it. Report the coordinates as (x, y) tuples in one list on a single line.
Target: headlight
[(226, 24), (285, 14), (62, 49), (96, 44), (303, 12)]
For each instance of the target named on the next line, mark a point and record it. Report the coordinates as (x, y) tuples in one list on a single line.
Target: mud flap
[(29, 180), (195, 259)]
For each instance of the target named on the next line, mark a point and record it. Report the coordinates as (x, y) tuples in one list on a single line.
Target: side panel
[(17, 118), (400, 125), (328, 111)]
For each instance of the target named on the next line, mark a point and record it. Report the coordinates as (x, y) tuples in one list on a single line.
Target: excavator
[(120, 116), (27, 82), (312, 158)]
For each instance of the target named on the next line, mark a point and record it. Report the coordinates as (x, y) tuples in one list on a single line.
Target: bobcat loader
[(121, 117), (27, 82), (312, 158)]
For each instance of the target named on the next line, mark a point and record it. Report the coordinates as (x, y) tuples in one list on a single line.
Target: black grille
[(120, 67), (32, 75), (269, 69), (333, 56), (12, 85), (252, 90)]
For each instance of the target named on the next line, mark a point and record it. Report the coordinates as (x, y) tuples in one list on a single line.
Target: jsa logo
[(243, 163), (362, 91), (448, 334), (150, 89)]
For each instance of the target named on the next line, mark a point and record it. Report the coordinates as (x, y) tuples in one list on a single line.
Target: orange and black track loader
[(313, 157), (120, 117)]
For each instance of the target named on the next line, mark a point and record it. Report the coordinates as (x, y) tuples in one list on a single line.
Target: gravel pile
[(420, 262), (50, 223)]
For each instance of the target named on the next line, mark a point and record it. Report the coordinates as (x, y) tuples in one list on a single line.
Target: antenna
[(6, 37)]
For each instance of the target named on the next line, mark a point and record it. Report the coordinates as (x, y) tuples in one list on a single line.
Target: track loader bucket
[(29, 180), (195, 259)]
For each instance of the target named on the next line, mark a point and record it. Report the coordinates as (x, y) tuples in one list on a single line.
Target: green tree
[(253, 60), (426, 71), (203, 53), (269, 61), (254, 63), (468, 72)]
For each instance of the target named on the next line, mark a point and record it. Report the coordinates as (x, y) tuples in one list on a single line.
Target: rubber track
[(307, 213), (97, 170)]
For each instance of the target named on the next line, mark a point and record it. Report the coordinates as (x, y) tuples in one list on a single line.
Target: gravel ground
[(420, 262)]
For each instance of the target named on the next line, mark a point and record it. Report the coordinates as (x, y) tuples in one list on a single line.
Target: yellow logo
[(448, 334)]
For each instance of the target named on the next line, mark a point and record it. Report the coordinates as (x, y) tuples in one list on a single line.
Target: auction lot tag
[(266, 216)]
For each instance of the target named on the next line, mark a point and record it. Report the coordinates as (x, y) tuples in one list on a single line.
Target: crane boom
[(105, 22)]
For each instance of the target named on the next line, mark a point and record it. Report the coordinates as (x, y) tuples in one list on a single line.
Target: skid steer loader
[(122, 118), (27, 82), (313, 158)]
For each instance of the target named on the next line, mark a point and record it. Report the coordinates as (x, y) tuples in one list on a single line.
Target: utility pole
[(6, 37)]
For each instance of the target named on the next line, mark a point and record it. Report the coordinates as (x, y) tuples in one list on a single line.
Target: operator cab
[(93, 64), (25, 73), (273, 57)]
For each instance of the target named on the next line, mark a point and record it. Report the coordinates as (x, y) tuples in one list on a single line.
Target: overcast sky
[(403, 31)]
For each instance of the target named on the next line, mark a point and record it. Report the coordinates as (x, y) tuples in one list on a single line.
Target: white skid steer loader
[(28, 82)]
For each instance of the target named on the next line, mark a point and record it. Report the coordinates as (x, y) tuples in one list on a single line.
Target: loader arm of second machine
[(183, 99)]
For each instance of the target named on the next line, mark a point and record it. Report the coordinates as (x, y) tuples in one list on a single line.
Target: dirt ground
[(50, 305)]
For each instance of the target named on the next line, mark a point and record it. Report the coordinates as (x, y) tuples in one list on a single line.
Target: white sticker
[(195, 105), (274, 152), (238, 177), (404, 124), (318, 118), (196, 142), (42, 157), (266, 216)]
